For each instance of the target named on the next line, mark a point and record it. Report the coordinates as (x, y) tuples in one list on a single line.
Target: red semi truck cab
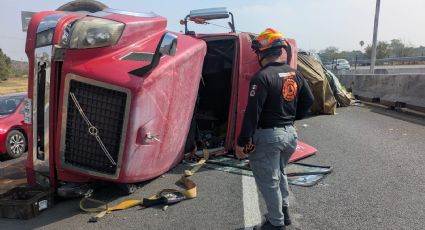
[(116, 97)]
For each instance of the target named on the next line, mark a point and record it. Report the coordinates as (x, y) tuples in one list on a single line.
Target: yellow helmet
[(269, 38)]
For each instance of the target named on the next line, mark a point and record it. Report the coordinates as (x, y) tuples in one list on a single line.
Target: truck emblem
[(92, 129)]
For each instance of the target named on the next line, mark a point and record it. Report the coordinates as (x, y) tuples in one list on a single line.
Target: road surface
[(378, 157)]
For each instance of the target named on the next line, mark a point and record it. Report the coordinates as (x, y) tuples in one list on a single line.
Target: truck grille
[(105, 109)]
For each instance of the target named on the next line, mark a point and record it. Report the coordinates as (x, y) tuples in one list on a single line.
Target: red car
[(13, 137)]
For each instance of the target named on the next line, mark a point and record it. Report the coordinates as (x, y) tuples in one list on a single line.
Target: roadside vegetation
[(395, 48), (13, 75)]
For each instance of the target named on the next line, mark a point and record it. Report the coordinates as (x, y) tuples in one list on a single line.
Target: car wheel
[(16, 144)]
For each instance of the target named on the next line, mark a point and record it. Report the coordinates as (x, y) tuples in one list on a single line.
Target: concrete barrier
[(398, 90)]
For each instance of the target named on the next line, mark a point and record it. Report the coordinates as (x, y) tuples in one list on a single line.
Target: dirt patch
[(12, 175), (14, 85)]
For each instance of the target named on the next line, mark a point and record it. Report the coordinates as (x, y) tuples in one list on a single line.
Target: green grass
[(14, 85)]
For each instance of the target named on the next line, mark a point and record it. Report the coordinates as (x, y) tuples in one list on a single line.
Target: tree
[(382, 50), (5, 68), (397, 48), (361, 44), (329, 54)]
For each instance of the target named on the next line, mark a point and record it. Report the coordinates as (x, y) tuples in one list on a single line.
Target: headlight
[(45, 38), (91, 32)]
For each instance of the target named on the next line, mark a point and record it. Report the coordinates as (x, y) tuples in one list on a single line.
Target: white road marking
[(251, 207)]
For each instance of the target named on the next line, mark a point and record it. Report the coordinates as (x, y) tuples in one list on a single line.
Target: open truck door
[(248, 66)]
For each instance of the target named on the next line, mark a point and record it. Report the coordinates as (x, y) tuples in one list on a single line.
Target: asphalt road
[(378, 183)]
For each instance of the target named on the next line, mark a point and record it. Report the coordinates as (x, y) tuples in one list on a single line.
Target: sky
[(315, 24)]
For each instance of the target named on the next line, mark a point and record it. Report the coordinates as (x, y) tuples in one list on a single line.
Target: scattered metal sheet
[(300, 169), (230, 169), (230, 161), (298, 173), (306, 180)]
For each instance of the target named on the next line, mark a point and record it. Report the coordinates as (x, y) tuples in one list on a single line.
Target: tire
[(83, 5), (16, 144)]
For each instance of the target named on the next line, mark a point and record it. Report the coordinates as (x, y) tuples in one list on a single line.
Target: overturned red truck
[(114, 96)]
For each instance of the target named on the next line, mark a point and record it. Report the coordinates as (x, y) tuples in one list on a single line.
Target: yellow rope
[(190, 192)]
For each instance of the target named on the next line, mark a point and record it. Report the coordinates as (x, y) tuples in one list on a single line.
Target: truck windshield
[(8, 104)]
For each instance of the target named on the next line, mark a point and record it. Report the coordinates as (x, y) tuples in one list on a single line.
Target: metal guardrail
[(390, 60)]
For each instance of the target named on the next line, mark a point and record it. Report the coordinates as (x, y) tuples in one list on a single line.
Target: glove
[(249, 148)]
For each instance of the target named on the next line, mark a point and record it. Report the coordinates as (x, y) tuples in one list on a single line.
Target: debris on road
[(327, 90), (299, 174), (12, 174), (164, 197), (357, 103), (25, 202)]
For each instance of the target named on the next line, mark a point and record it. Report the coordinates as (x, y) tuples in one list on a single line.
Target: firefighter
[(277, 96)]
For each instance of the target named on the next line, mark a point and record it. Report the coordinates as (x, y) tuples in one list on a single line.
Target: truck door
[(248, 66)]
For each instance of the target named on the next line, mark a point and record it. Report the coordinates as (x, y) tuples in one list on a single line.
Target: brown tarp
[(312, 70)]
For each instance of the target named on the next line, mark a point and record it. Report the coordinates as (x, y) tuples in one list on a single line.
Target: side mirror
[(210, 13), (201, 16), (167, 46)]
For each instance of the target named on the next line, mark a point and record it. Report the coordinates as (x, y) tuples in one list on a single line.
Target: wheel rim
[(16, 144)]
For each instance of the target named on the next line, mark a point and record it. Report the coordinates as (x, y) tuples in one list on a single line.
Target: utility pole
[(375, 37)]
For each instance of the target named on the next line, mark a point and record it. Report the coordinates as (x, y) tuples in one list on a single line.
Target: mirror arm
[(185, 24), (233, 23), (140, 72), (288, 50)]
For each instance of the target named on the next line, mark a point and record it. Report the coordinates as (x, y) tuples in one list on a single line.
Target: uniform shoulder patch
[(253, 90), (288, 74)]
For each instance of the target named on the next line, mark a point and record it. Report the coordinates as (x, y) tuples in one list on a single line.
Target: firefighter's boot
[(287, 218)]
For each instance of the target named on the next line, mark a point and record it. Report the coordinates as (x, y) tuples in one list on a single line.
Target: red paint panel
[(303, 150), (249, 65), (162, 103)]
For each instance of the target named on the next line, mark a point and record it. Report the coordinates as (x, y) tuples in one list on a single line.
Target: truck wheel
[(83, 5), (16, 144)]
